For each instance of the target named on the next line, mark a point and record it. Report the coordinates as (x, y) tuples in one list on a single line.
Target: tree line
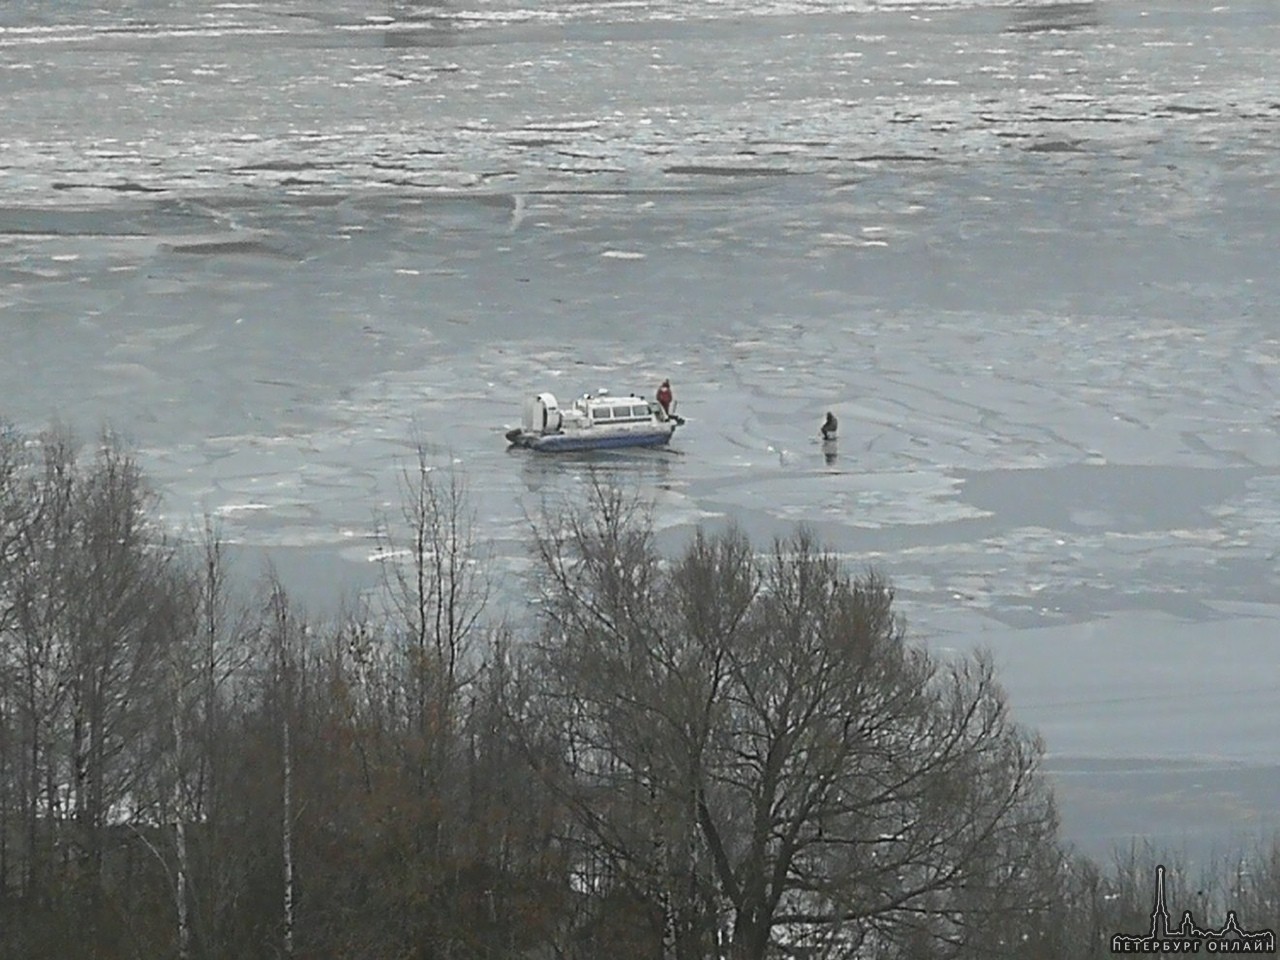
[(731, 752)]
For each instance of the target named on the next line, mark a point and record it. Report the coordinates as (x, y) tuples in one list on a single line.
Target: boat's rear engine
[(542, 414)]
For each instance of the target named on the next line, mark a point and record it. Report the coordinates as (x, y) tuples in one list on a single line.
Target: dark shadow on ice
[(124, 186), (707, 170), (420, 23), (1042, 18), (252, 248), (1055, 146)]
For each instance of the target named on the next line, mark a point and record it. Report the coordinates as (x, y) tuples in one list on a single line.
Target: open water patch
[(1114, 497)]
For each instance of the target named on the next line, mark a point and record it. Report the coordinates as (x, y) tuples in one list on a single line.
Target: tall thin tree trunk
[(694, 918), (5, 793), (664, 875), (287, 799), (179, 825), (180, 891), (287, 842), (33, 807)]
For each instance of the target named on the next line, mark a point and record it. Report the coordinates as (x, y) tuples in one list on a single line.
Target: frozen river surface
[(1026, 252)]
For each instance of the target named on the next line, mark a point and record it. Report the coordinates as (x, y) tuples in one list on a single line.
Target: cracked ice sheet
[(1026, 255)]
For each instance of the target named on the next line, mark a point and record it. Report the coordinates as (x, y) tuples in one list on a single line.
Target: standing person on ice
[(665, 398)]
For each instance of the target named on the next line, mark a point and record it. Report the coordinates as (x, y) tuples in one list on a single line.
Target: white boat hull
[(592, 438)]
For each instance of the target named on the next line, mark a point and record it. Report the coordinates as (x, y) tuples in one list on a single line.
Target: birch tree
[(284, 657), (435, 582), (39, 551), (116, 636)]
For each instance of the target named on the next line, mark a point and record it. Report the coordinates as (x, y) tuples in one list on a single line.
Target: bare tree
[(753, 739), (434, 578), (115, 634), (432, 568), (183, 744), (40, 544), (13, 518), (87, 584), (205, 652), (283, 640)]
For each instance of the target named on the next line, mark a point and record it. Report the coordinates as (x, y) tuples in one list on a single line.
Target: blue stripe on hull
[(560, 444)]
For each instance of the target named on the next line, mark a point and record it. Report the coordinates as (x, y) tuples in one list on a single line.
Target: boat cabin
[(543, 415), (617, 409)]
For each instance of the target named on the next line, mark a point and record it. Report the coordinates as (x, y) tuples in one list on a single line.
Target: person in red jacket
[(665, 397)]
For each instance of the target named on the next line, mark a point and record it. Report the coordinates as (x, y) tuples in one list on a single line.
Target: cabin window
[(600, 413), (621, 413), (640, 412)]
